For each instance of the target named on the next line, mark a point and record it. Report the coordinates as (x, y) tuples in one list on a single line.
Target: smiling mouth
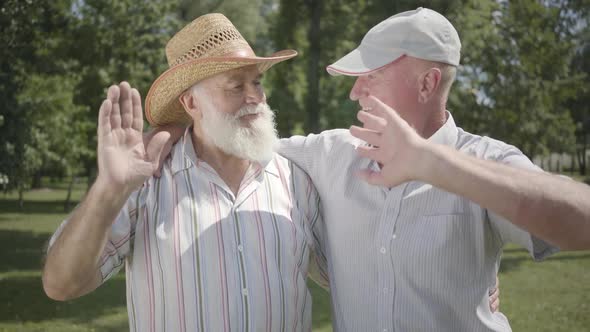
[(249, 117)]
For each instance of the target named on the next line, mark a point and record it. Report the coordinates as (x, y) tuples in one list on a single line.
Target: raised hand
[(395, 145), (124, 161)]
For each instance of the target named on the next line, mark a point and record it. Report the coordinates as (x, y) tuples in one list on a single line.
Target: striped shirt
[(413, 257), (198, 258)]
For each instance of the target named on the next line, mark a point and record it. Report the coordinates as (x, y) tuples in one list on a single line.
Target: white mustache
[(251, 109)]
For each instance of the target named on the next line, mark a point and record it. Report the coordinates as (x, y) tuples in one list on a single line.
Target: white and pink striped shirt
[(199, 258)]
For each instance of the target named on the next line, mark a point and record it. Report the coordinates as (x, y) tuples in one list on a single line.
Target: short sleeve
[(510, 233), (304, 151), (120, 240), (308, 201)]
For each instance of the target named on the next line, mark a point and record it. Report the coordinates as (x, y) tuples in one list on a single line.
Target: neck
[(230, 168), (434, 117)]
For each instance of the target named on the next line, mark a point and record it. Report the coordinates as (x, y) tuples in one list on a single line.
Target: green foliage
[(59, 58), (516, 73), (57, 126), (28, 37), (524, 75)]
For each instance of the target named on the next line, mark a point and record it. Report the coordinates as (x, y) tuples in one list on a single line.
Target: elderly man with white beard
[(222, 239)]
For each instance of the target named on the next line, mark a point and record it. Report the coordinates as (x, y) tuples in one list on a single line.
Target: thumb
[(158, 149)]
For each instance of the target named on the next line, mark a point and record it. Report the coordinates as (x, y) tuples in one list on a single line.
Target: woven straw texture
[(207, 46)]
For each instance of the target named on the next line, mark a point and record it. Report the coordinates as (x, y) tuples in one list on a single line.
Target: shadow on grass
[(21, 250), (514, 257), (32, 206), (23, 299)]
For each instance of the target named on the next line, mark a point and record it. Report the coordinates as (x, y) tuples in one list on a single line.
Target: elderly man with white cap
[(416, 210), (221, 241)]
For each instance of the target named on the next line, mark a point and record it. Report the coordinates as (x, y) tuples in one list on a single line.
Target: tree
[(112, 41), (515, 74), (324, 31), (28, 37), (57, 126)]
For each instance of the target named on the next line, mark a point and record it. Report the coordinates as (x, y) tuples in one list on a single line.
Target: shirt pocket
[(443, 246)]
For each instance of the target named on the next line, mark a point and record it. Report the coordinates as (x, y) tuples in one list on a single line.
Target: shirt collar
[(184, 156), (447, 134)]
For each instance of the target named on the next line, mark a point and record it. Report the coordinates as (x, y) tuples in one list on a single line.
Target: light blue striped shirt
[(413, 258)]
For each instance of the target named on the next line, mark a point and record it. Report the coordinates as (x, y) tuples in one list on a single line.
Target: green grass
[(550, 296)]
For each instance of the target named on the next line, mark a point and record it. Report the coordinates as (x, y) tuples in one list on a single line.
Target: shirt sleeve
[(305, 151), (509, 232), (120, 240), (308, 201)]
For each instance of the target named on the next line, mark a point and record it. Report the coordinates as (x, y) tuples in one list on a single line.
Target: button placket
[(386, 278)]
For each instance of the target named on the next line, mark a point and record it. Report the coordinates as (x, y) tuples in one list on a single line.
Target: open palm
[(123, 159)]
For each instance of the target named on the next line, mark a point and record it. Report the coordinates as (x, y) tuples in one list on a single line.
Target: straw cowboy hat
[(207, 46)]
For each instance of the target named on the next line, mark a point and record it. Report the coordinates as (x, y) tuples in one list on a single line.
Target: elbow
[(56, 290)]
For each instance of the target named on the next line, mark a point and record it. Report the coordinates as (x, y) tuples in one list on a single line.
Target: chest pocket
[(445, 235)]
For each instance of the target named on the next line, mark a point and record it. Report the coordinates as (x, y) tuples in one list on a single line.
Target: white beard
[(255, 142)]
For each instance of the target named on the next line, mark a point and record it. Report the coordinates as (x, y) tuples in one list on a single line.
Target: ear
[(429, 83), (190, 105)]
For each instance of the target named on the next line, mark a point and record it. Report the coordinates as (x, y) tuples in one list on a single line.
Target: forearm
[(72, 264), (554, 209)]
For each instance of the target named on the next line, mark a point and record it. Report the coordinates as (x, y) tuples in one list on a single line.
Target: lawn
[(550, 296)]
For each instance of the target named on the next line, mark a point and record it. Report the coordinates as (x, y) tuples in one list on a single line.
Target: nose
[(359, 89), (254, 94)]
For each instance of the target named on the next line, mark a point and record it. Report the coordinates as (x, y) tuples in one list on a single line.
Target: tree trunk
[(69, 196), (581, 154), (36, 183), (313, 70), (584, 147), (21, 201), (572, 163)]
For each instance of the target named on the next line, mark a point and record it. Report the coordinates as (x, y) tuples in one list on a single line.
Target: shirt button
[(384, 289), (245, 292), (394, 236), (383, 250), (240, 248)]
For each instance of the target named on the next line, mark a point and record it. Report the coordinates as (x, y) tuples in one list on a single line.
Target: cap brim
[(161, 104), (361, 61)]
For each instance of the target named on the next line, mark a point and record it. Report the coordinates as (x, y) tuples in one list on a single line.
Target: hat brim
[(362, 61), (162, 106)]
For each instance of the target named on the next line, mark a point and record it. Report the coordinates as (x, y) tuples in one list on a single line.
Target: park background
[(524, 79)]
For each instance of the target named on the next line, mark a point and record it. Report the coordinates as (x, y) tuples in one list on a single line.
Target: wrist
[(428, 158), (110, 193)]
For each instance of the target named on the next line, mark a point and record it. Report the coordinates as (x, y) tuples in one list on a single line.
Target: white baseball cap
[(421, 33)]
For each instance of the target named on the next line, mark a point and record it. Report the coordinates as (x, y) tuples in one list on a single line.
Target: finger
[(104, 121), (113, 95), (371, 177), (495, 305), (370, 136), (371, 121), (370, 153), (492, 291), (137, 110), (126, 105), (379, 108)]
